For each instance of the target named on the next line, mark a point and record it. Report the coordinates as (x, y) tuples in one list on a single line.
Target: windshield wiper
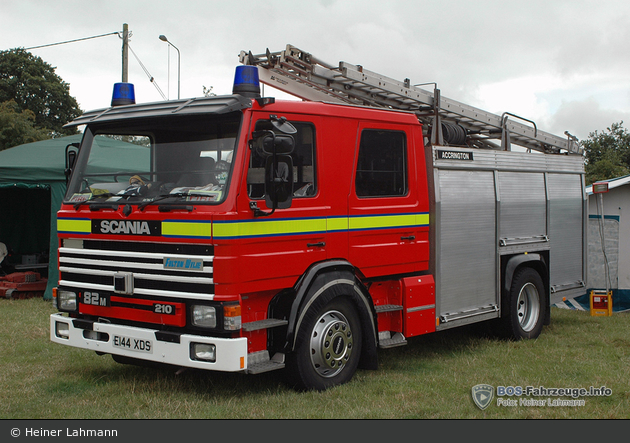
[(113, 204), (91, 199), (161, 198)]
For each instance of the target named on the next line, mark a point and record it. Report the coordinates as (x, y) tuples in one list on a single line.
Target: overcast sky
[(563, 64)]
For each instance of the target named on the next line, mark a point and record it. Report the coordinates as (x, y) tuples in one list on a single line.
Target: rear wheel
[(328, 345), (524, 305)]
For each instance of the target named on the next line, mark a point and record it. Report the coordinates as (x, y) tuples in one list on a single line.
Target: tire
[(525, 306), (328, 345)]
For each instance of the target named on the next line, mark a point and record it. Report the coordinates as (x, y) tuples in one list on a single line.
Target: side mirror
[(268, 143), (276, 147), (72, 150), (279, 182)]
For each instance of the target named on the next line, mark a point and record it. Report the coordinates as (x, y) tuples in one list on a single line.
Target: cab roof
[(234, 103)]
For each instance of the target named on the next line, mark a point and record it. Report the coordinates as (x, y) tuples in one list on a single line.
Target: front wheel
[(328, 346), (524, 305)]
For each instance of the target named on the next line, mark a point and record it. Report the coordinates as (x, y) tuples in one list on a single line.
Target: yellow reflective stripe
[(186, 229), (269, 227), (77, 225), (263, 228), (388, 221), (337, 224), (422, 219)]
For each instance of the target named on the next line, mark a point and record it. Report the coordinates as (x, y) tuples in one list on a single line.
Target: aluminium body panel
[(522, 206), (567, 232), (490, 205), (466, 251)]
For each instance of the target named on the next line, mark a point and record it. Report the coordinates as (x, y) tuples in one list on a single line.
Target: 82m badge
[(95, 299)]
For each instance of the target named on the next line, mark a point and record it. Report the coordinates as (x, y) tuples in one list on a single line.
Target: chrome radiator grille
[(158, 270)]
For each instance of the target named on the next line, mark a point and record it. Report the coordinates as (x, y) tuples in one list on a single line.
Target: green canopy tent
[(32, 187)]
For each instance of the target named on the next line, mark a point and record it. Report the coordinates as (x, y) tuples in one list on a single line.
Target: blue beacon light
[(123, 94), (246, 82)]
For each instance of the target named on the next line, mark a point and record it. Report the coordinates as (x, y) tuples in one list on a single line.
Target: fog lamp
[(62, 330), (203, 352)]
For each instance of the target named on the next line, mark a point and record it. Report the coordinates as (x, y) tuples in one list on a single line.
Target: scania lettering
[(239, 233), (124, 227)]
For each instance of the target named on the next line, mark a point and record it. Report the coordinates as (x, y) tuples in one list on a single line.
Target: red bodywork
[(253, 269)]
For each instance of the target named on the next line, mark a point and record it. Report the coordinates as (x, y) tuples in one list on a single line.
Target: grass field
[(430, 378)]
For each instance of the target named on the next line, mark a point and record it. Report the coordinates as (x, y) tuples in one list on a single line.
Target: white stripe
[(180, 279), (126, 265), (153, 292), (576, 305), (131, 254)]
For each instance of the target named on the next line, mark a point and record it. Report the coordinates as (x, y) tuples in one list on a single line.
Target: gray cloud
[(562, 61)]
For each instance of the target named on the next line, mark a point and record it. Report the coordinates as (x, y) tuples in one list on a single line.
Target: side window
[(304, 176), (382, 164)]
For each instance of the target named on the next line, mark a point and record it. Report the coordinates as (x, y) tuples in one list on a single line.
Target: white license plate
[(132, 344)]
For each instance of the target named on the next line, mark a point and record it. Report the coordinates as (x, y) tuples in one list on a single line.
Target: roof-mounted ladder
[(448, 122)]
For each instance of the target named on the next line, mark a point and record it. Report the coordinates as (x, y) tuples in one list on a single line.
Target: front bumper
[(144, 344)]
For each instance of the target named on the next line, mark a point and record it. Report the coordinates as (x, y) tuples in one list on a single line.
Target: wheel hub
[(331, 343), (528, 307)]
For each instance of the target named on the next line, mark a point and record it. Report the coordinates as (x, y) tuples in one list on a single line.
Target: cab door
[(275, 249), (388, 223)]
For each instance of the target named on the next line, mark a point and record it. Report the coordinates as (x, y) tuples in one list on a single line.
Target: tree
[(207, 92), (33, 85), (17, 127), (607, 153)]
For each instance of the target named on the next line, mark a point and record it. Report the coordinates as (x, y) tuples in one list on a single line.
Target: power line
[(151, 78), (146, 71), (72, 41)]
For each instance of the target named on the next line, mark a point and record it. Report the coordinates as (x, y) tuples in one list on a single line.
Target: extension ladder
[(448, 122)]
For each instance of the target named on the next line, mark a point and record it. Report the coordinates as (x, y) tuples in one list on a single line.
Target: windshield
[(166, 160)]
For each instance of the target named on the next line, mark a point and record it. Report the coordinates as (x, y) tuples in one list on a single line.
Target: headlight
[(204, 316), (66, 301)]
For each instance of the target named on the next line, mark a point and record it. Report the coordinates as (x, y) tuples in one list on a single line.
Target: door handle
[(410, 237), (320, 244)]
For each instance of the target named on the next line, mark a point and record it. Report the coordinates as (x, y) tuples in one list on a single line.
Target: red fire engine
[(240, 233)]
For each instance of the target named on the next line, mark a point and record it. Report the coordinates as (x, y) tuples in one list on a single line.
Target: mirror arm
[(259, 212)]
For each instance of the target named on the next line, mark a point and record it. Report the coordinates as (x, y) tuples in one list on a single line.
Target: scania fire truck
[(247, 234)]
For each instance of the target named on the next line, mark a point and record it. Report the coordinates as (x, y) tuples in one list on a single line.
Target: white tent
[(612, 225)]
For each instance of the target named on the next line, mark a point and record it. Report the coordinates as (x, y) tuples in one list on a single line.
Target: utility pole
[(125, 53)]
